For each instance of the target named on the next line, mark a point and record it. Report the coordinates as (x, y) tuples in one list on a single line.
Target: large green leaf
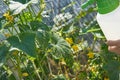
[(60, 46), (61, 49), (113, 69), (25, 42), (3, 52)]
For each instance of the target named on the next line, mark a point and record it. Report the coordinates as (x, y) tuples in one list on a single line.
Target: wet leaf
[(25, 42), (3, 53)]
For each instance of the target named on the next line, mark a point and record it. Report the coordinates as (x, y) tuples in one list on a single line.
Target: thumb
[(113, 42)]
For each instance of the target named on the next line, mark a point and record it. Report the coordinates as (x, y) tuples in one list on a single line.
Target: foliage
[(32, 50)]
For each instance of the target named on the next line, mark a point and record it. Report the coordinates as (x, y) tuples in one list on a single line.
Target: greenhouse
[(59, 40)]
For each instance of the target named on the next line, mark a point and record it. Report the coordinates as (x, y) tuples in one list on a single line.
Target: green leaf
[(25, 42), (93, 30), (3, 52), (39, 25), (61, 49), (0, 25), (43, 38), (60, 46), (22, 1), (113, 69)]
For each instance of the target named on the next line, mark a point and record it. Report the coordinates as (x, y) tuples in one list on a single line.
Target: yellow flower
[(106, 78), (63, 62), (43, 6), (25, 74), (49, 50), (93, 69), (90, 54), (69, 40), (7, 35), (8, 17), (75, 47), (6, 14), (15, 52)]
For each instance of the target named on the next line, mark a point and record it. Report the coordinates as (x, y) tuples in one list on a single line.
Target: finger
[(113, 42), (114, 49)]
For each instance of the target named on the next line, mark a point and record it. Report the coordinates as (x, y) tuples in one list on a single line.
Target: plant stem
[(41, 66), (30, 77), (21, 19), (42, 3), (10, 31), (15, 30), (36, 70), (49, 66), (93, 44), (18, 66)]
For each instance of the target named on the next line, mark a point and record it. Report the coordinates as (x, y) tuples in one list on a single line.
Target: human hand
[(114, 46)]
